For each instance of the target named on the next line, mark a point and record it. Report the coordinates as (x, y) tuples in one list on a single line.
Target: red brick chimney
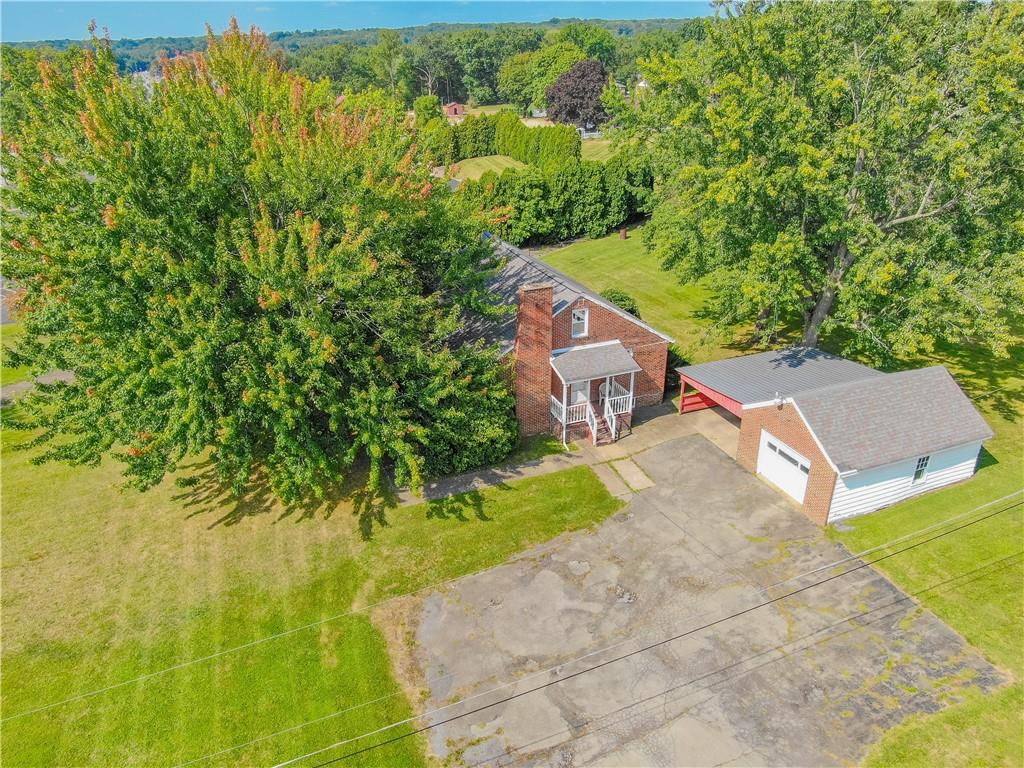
[(533, 358)]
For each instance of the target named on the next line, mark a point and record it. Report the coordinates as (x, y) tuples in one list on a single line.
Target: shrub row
[(579, 197), (501, 134)]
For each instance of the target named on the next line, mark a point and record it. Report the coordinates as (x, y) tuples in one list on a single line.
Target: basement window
[(580, 322), (921, 469)]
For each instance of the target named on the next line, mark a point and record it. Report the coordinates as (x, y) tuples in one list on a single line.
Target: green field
[(610, 262), (476, 167), (489, 109), (596, 149), (988, 612), (103, 585), (8, 335)]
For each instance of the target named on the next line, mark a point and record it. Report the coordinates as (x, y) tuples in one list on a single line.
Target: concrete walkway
[(11, 392), (653, 426)]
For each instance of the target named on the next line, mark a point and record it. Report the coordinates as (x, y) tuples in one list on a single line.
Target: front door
[(579, 392)]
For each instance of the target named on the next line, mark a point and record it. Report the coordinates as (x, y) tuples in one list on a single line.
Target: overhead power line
[(576, 726), (593, 652), (630, 654)]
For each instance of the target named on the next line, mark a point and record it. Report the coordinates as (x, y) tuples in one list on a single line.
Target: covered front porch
[(592, 391)]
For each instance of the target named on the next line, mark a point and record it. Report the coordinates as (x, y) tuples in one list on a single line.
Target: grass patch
[(489, 109), (476, 167), (102, 585), (9, 333), (988, 611), (596, 149), (610, 262), (533, 448)]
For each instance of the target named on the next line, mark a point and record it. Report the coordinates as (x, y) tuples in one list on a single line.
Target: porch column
[(632, 374), (565, 415)]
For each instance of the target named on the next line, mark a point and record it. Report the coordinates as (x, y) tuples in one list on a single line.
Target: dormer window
[(580, 323)]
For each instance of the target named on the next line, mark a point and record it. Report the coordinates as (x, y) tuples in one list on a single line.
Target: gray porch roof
[(593, 361)]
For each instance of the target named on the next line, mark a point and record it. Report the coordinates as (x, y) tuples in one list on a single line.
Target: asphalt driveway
[(812, 679)]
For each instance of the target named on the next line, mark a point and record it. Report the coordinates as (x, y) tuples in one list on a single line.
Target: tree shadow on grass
[(460, 506), (203, 493)]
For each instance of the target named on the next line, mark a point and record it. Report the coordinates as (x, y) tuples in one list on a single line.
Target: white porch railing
[(571, 415), (556, 409), (591, 422), (578, 412)]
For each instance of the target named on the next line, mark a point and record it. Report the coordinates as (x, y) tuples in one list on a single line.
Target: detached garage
[(837, 437)]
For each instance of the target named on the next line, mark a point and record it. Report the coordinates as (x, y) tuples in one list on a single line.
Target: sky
[(43, 20)]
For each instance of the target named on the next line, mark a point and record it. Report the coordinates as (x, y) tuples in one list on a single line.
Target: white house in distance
[(838, 437)]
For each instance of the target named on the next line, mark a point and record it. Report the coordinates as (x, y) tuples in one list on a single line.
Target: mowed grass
[(988, 610), (596, 149), (665, 303), (102, 586), (489, 109), (475, 167), (9, 333)]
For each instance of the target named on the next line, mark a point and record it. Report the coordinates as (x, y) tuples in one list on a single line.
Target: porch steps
[(604, 431)]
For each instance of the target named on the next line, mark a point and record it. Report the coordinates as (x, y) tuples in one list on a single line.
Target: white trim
[(617, 310), (580, 315), (817, 442), (563, 350), (762, 404)]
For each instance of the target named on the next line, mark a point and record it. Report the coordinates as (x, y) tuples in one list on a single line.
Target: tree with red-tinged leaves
[(575, 97), (237, 266)]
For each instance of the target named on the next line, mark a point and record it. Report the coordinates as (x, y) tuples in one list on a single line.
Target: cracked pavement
[(795, 682)]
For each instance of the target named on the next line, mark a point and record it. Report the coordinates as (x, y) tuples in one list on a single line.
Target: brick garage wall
[(649, 350), (533, 359), (786, 424)]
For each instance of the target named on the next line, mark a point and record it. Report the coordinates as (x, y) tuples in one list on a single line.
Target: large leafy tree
[(596, 42), (575, 97), (235, 264), (856, 166), (525, 78)]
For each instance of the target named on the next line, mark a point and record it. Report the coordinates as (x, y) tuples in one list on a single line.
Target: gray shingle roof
[(897, 416), (756, 378), (519, 268), (593, 361)]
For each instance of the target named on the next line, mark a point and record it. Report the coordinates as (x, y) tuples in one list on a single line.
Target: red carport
[(695, 396), (754, 380)]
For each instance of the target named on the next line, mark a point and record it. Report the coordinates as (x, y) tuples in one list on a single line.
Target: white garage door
[(783, 466)]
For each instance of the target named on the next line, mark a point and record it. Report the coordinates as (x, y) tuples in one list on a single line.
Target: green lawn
[(475, 167), (488, 109), (610, 262), (8, 335), (988, 612), (102, 585), (596, 149)]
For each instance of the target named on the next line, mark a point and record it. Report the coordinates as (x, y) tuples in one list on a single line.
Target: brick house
[(581, 365), (840, 438)]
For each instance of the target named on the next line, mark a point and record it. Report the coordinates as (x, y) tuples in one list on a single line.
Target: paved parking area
[(811, 679)]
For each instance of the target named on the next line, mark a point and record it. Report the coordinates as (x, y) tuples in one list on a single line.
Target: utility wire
[(642, 649), (589, 721), (589, 654)]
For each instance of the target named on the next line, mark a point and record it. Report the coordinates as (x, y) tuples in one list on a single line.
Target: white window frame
[(920, 470), (580, 316)]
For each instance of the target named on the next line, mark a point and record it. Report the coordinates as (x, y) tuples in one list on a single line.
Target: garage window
[(788, 457), (921, 469)]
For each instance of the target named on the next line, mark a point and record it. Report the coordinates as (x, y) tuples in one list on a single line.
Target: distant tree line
[(632, 39)]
